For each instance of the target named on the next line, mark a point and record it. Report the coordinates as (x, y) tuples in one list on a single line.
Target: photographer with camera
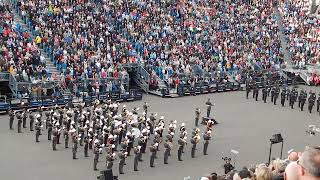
[(227, 166)]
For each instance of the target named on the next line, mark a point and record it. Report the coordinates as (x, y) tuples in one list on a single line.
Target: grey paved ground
[(245, 125)]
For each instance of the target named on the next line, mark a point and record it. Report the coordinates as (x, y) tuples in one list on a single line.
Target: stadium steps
[(49, 64)]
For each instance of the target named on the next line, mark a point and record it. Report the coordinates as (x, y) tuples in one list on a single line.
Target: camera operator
[(227, 166)]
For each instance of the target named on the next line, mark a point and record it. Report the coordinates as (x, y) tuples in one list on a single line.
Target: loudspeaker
[(276, 138)]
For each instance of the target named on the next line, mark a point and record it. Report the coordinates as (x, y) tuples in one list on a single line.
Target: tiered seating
[(19, 53), (303, 31)]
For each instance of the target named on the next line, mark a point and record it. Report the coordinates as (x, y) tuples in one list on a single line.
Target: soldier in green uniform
[(31, 122), (206, 138), (109, 160), (66, 137), (181, 142), (311, 101), (54, 138), (197, 117), (38, 129), (122, 156), (153, 150), (283, 97), (11, 118), (86, 146), (136, 152), (19, 117), (96, 152), (75, 141), (167, 149)]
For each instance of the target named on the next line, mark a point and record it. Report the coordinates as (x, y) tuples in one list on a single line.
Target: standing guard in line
[(122, 156), (167, 149), (38, 129), (302, 99), (31, 122), (206, 138), (11, 118), (256, 92), (292, 98), (136, 152), (276, 95), (197, 117), (318, 103), (264, 94), (153, 151), (248, 88), (288, 93), (19, 117), (311, 101), (283, 97), (24, 118), (273, 89)]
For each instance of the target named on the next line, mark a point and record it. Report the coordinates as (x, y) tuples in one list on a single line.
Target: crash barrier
[(45, 101)]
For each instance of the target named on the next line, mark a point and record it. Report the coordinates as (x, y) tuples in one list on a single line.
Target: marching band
[(101, 127)]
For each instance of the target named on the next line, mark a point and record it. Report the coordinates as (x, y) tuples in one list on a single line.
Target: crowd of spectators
[(95, 38), (178, 41), (298, 166), (303, 30), (19, 53)]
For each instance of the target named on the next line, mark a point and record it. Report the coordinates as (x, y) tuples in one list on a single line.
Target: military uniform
[(303, 99), (66, 138), (49, 126), (38, 130), (273, 89), (318, 103), (181, 143), (86, 146), (11, 119), (96, 157), (209, 104), (24, 119), (194, 147), (54, 138), (276, 95), (31, 122), (292, 98), (197, 117), (264, 94), (153, 151), (19, 117), (167, 149), (256, 92), (136, 151), (248, 88), (206, 138), (283, 97), (311, 100), (122, 157), (109, 161)]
